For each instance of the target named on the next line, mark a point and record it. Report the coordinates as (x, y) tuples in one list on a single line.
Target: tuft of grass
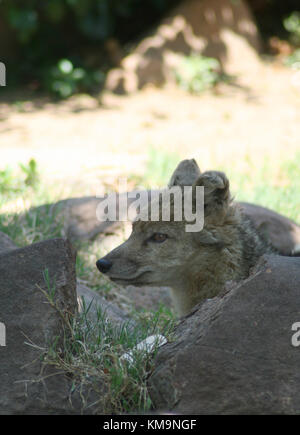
[(32, 226), (26, 212), (93, 349), (92, 355), (31, 172), (51, 287), (14, 183)]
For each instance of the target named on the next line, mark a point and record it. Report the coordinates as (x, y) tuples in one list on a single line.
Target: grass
[(12, 185), (31, 226), (92, 355), (274, 187), (263, 183), (93, 349)]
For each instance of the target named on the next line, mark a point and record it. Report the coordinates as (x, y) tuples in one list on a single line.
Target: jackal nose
[(104, 265)]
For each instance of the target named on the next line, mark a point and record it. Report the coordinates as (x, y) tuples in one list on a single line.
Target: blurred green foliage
[(292, 25), (12, 184), (64, 79), (160, 164), (197, 73), (293, 59), (59, 45), (31, 173), (46, 35)]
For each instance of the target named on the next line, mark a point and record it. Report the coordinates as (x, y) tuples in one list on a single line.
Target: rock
[(95, 302), (283, 233), (141, 298), (80, 217), (81, 221), (234, 354), (6, 244), (85, 220), (149, 298), (32, 324), (222, 29)]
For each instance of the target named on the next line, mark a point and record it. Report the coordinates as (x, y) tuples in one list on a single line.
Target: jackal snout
[(103, 265), (196, 265)]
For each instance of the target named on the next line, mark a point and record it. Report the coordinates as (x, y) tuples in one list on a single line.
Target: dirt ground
[(82, 140)]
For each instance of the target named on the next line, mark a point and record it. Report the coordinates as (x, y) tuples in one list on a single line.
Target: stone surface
[(233, 354), (82, 223), (6, 244), (283, 233), (82, 219), (222, 29), (94, 302), (149, 298), (32, 324)]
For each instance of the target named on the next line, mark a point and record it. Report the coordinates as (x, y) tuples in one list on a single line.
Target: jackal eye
[(158, 237)]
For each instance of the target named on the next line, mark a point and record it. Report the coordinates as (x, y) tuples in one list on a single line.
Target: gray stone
[(32, 323), (283, 233), (6, 244), (233, 354), (149, 298), (222, 29), (94, 302), (81, 222)]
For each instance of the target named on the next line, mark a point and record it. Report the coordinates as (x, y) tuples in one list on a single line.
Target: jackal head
[(163, 253)]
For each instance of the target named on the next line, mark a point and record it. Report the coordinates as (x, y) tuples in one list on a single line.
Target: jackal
[(196, 265)]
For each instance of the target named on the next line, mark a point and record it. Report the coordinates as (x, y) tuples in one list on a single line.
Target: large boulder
[(234, 354), (37, 292), (96, 305), (222, 29), (82, 222), (149, 298), (283, 233)]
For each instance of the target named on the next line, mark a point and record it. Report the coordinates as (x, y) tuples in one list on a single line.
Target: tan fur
[(195, 265)]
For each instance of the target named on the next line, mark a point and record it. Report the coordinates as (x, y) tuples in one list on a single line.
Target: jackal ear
[(216, 191), (185, 174)]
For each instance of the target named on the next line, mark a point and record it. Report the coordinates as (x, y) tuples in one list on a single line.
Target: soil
[(85, 140)]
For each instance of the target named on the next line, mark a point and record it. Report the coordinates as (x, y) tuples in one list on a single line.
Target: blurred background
[(99, 89)]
